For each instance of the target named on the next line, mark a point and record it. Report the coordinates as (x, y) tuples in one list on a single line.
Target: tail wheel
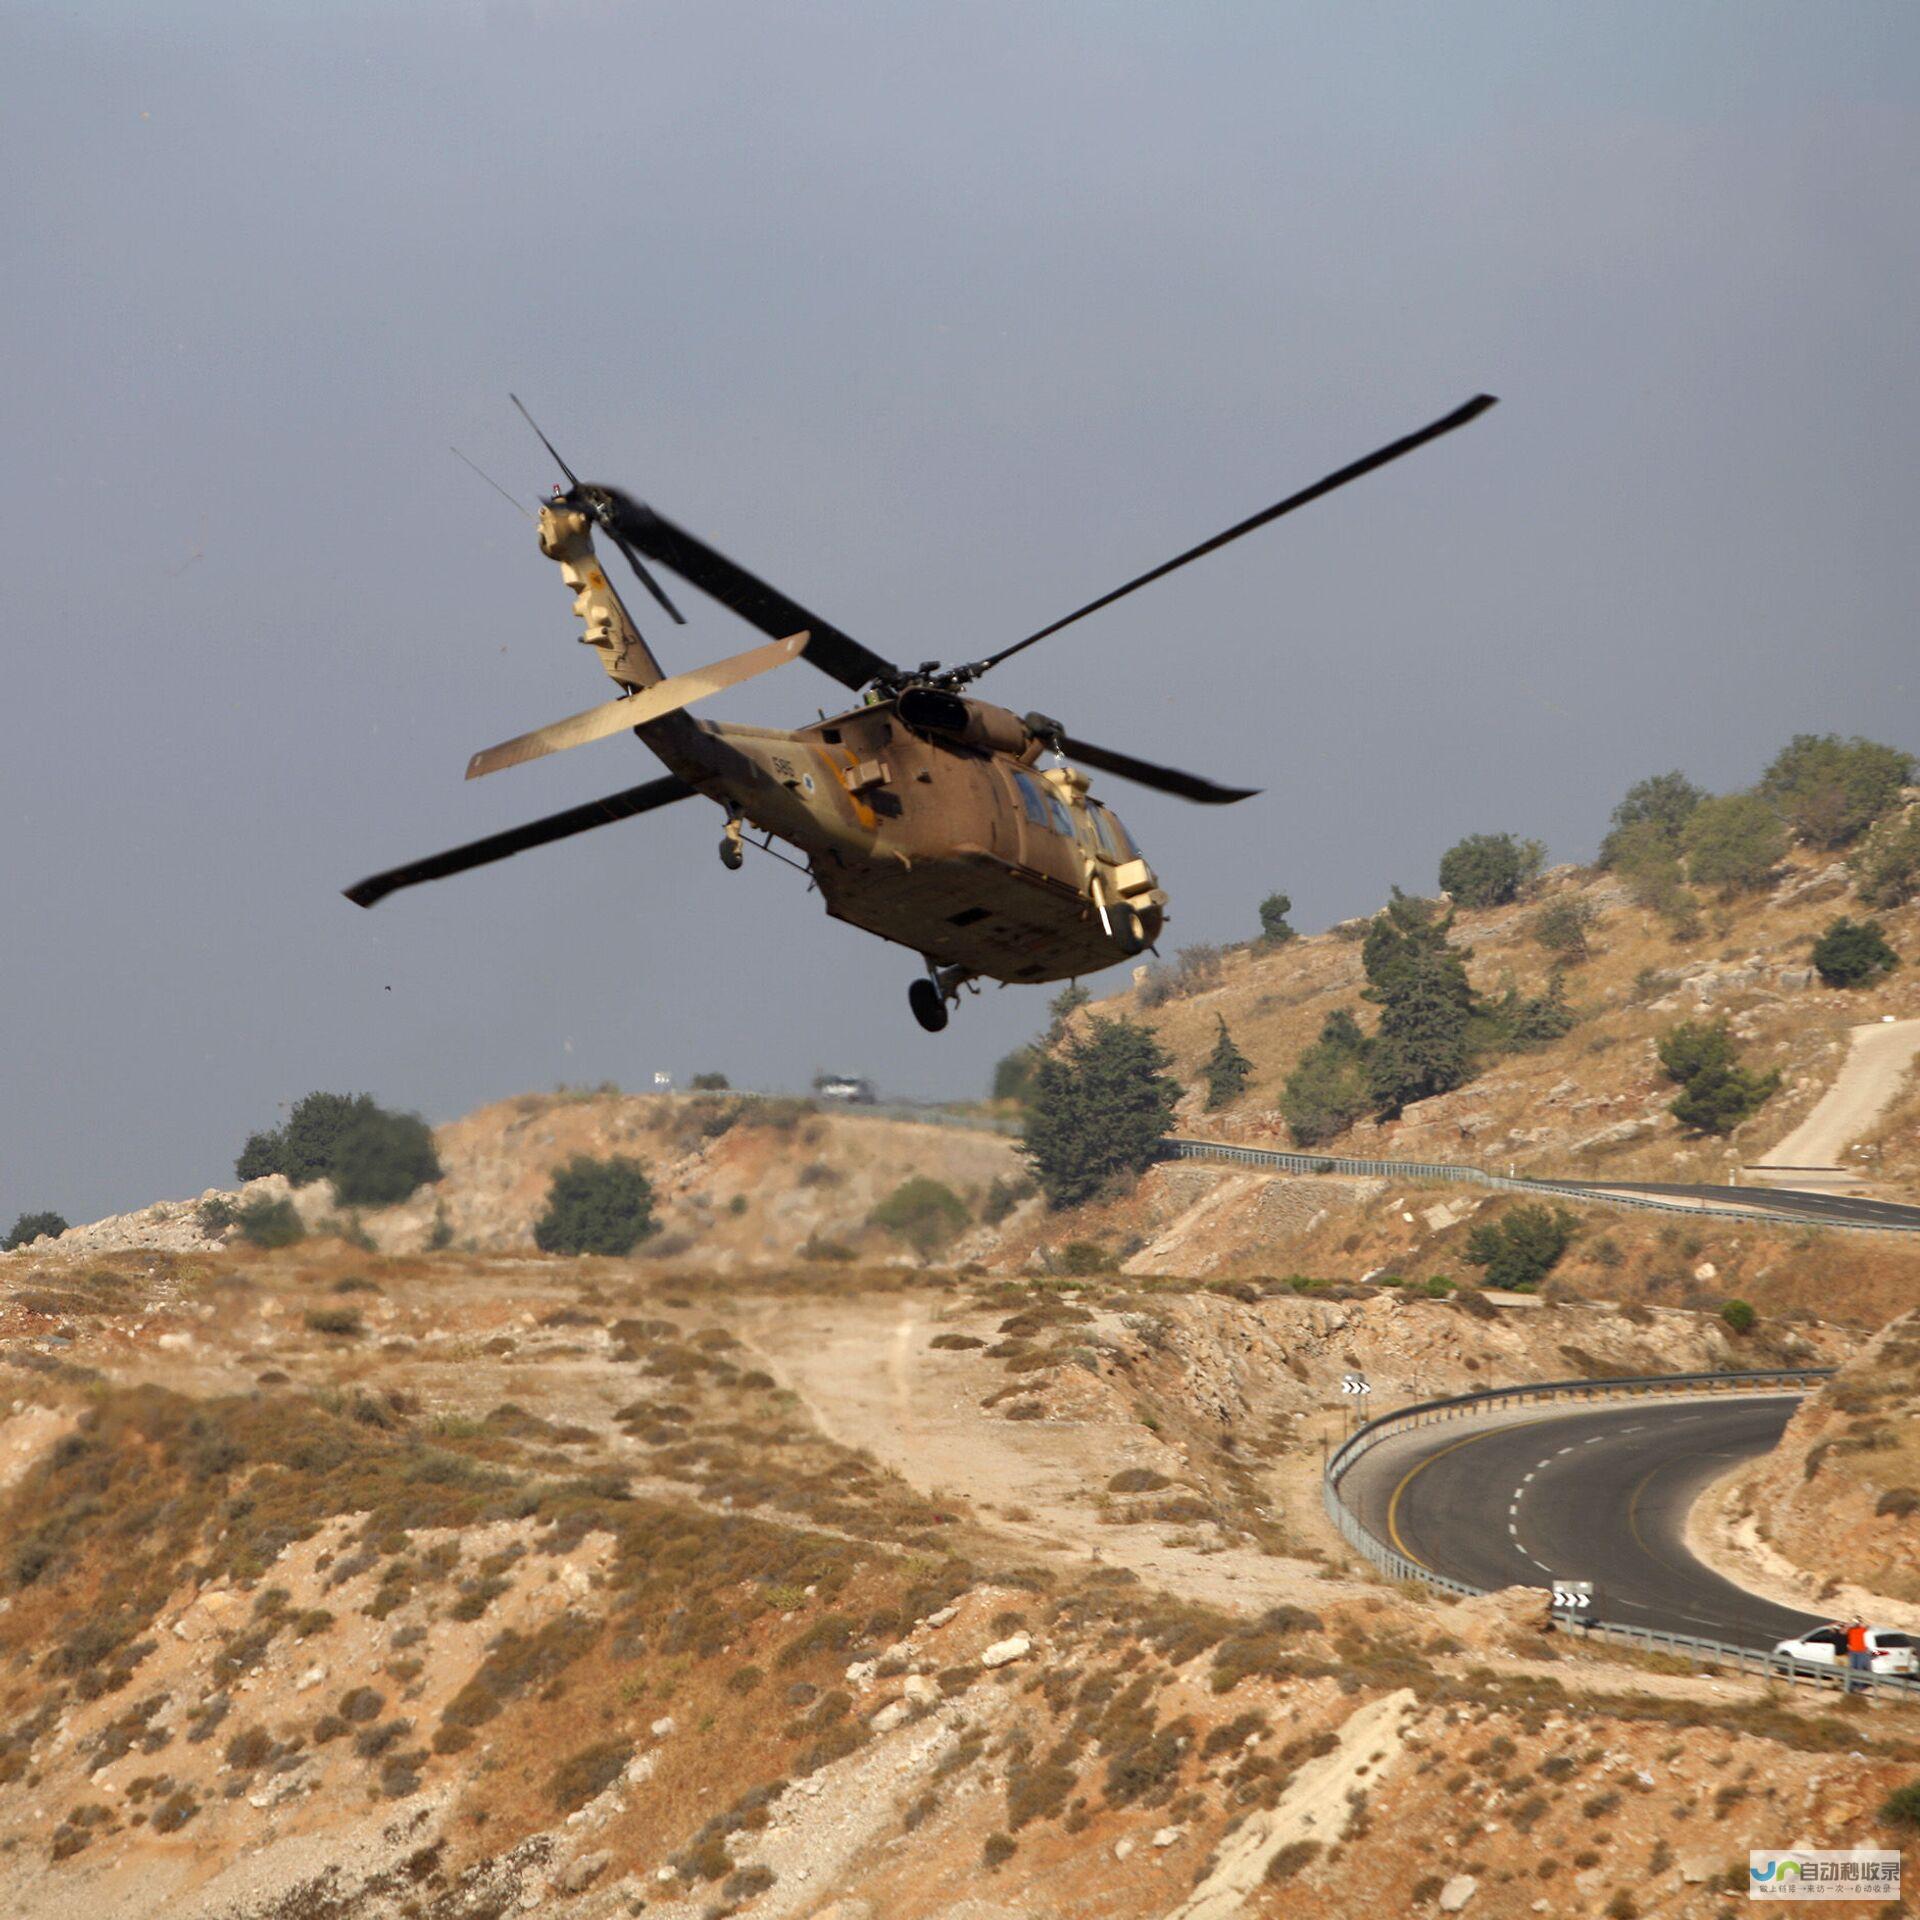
[(1129, 932), (733, 856), (929, 1005)]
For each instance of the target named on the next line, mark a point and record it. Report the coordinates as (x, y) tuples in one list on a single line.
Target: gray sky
[(945, 319)]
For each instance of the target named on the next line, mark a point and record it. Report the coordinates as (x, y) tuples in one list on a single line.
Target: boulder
[(579, 1874), (1457, 1892), (1004, 1651)]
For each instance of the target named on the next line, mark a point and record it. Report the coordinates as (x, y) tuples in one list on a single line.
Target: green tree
[(1541, 1020), (1830, 791), (924, 1213), (1564, 928), (1225, 1071), (30, 1227), (1738, 1315), (1520, 1250), (1649, 862), (1013, 1074), (1100, 1106), (1423, 1046), (596, 1206), (1489, 869), (1734, 842), (1886, 865), (1060, 1011), (709, 1083), (1716, 1093), (1275, 928), (1655, 811), (1852, 952), (374, 1157), (270, 1223), (1328, 1089)]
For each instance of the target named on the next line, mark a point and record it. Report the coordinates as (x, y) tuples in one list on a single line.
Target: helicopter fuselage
[(968, 854)]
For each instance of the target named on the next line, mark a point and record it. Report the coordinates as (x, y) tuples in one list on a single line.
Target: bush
[(269, 1223), (1852, 952), (341, 1321), (1886, 865), (374, 1157), (709, 1083), (1902, 1806), (1275, 928), (1562, 928), (1738, 1315), (1655, 812), (588, 1773), (1716, 1092), (1830, 791), (1489, 869), (1002, 1197), (1013, 1075), (1734, 842), (30, 1227), (1100, 1107), (1420, 980), (596, 1206), (1328, 1089), (1520, 1250), (924, 1213), (1226, 1070)]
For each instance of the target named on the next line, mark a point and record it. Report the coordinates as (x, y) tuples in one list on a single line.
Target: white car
[(1888, 1650)]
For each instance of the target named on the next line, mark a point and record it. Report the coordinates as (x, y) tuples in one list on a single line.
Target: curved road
[(1599, 1494)]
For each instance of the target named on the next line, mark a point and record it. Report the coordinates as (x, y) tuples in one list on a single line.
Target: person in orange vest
[(1859, 1660)]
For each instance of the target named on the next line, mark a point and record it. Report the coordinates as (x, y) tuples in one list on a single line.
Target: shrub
[(1716, 1092), (925, 1213), (342, 1321), (270, 1223), (596, 1206), (1734, 842), (1738, 1315), (30, 1227), (1524, 1247), (1002, 1197), (709, 1083), (1275, 928), (999, 1848), (1489, 869), (1852, 952), (1902, 1806), (1563, 926), (1829, 790), (374, 1157), (1654, 812), (1886, 865), (1013, 1075), (584, 1775), (1897, 1503), (1327, 1091), (1288, 1860), (1082, 1258), (1226, 1070), (1100, 1107)]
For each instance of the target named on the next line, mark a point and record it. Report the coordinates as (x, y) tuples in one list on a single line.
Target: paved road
[(1598, 1495), (1878, 1056), (1808, 1206)]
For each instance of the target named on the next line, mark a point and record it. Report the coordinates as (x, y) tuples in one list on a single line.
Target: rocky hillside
[(1593, 1102), (338, 1584), (1834, 1511)]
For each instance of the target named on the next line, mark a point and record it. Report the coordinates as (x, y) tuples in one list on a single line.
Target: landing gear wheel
[(929, 1005), (733, 856), (1128, 932)]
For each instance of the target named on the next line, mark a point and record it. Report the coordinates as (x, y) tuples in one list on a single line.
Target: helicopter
[(922, 813)]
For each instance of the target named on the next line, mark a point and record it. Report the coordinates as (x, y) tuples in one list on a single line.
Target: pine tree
[(1226, 1070), (1100, 1106)]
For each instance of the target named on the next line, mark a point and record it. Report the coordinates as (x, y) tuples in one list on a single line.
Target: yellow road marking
[(1419, 1467)]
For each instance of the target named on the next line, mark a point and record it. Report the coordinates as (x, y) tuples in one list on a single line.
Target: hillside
[(340, 1585), (1593, 1102)]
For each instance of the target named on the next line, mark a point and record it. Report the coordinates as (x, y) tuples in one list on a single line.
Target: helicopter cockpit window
[(1030, 799), (1114, 841), (1062, 820)]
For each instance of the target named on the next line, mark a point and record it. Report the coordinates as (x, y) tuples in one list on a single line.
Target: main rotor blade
[(760, 605), (1185, 786), (647, 580), (536, 833), (1457, 418)]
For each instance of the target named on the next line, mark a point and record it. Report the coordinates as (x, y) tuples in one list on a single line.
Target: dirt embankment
[(1833, 1514), (345, 1585)]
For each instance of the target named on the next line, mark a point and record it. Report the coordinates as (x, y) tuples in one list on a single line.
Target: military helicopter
[(922, 814)]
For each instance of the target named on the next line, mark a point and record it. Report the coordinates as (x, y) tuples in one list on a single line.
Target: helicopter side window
[(1030, 799), (1114, 840), (1062, 820)]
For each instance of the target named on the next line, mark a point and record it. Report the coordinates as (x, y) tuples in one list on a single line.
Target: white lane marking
[(1538, 1464), (1525, 1477), (1541, 1564), (1512, 1529), (1566, 1449), (1629, 1429), (1513, 1506), (1596, 1439)]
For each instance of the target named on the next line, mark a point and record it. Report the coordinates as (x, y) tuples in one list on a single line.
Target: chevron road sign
[(1355, 1383), (1573, 1596)]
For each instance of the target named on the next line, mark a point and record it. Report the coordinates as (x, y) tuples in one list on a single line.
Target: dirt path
[(1877, 1061), (868, 1378)]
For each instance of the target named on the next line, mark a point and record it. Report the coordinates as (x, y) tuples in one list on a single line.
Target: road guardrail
[(1690, 1647), (1178, 1148)]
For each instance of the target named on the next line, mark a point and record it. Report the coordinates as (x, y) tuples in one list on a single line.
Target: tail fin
[(566, 536)]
